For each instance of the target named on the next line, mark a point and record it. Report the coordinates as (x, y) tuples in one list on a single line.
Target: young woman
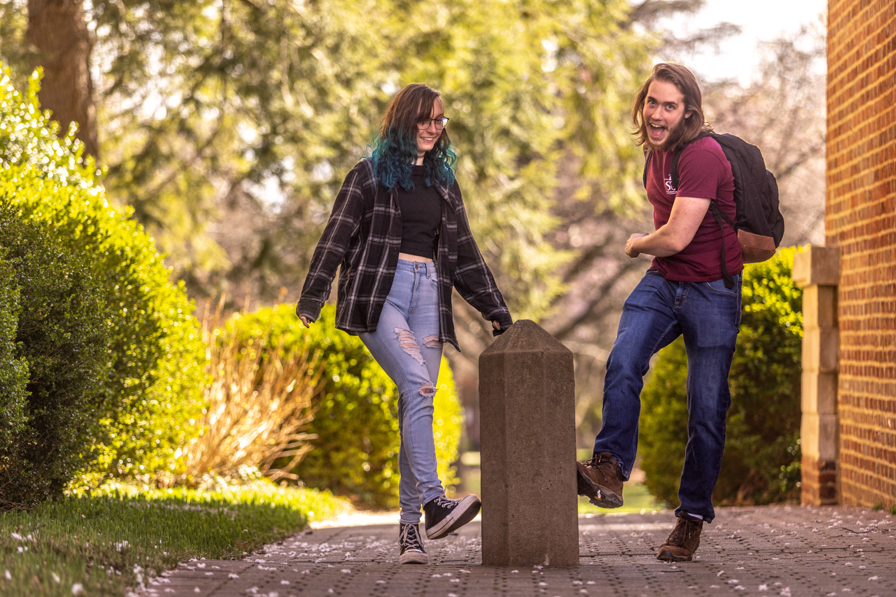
[(399, 230)]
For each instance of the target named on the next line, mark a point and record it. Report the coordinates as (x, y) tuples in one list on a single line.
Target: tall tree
[(57, 30)]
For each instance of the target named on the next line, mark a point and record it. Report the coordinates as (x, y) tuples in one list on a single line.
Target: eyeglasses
[(438, 122)]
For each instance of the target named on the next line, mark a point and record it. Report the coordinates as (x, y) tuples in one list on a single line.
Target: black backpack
[(760, 224)]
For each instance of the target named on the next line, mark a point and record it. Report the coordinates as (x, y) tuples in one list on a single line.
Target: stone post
[(817, 272), (528, 450)]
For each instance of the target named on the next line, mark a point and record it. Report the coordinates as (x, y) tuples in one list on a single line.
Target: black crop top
[(421, 215)]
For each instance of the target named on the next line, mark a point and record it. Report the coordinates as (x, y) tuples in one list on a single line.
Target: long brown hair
[(394, 149), (693, 121), (410, 105)]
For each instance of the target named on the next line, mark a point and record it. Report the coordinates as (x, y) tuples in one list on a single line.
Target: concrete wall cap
[(817, 266)]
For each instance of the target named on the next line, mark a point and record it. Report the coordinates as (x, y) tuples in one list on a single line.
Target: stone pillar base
[(817, 271), (819, 482)]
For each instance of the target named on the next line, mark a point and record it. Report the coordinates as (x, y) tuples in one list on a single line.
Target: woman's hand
[(305, 321), (496, 325)]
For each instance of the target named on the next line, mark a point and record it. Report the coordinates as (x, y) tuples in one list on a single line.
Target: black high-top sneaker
[(411, 545), (444, 516)]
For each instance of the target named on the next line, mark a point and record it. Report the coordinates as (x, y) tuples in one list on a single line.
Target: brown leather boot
[(684, 540), (601, 480)]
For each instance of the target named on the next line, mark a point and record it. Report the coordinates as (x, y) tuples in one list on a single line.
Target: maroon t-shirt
[(704, 173)]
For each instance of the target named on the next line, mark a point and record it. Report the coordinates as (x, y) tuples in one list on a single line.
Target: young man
[(683, 293)]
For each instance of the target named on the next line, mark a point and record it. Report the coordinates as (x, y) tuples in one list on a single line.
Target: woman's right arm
[(343, 225)]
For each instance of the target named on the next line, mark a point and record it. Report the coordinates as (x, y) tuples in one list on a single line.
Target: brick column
[(528, 450), (817, 272)]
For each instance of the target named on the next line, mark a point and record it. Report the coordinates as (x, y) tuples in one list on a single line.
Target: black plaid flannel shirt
[(363, 235)]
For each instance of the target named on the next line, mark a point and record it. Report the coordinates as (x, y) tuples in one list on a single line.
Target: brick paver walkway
[(777, 550)]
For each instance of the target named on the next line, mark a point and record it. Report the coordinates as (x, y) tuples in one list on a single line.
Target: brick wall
[(861, 219)]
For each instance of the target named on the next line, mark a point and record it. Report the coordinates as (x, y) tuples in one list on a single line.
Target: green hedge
[(13, 368), (356, 450), (150, 386), (762, 456), (62, 335)]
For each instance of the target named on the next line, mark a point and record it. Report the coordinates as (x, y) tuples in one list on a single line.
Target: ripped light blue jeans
[(406, 345)]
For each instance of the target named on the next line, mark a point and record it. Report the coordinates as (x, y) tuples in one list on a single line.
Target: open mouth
[(656, 131)]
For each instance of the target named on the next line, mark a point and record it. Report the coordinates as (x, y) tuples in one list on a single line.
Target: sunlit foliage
[(100, 309)]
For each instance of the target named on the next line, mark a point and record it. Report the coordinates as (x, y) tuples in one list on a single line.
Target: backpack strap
[(719, 216), (677, 156), (647, 155)]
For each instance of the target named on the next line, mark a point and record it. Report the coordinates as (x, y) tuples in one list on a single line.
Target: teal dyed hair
[(393, 150)]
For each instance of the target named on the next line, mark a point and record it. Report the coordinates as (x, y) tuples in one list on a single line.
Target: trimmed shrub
[(761, 463), (151, 394), (62, 335), (355, 453), (13, 369)]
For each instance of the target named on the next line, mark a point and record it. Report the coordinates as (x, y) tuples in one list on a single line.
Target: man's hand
[(629, 249), (305, 321)]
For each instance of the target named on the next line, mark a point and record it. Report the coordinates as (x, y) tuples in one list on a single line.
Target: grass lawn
[(114, 539)]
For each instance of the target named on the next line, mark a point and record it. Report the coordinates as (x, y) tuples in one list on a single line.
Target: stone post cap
[(817, 266), (525, 336)]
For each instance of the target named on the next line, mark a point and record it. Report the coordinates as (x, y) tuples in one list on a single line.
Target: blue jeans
[(707, 314), (406, 345)]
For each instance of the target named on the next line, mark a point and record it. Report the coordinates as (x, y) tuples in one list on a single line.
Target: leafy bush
[(355, 452), (61, 333), (13, 369), (153, 376), (762, 457)]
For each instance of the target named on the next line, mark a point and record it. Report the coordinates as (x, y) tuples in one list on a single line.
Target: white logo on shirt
[(670, 190)]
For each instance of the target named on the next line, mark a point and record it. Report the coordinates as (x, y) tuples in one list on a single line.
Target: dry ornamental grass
[(259, 404)]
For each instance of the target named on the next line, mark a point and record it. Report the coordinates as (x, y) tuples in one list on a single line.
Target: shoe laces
[(683, 531), (409, 537), (444, 502), (606, 463)]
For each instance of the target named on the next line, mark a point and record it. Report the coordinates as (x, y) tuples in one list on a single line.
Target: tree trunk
[(58, 29)]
